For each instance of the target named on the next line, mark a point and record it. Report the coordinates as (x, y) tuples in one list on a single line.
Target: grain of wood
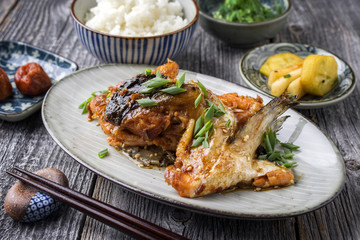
[(311, 23), (27, 144), (47, 24)]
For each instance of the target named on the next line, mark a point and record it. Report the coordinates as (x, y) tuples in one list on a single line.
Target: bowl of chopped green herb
[(243, 22)]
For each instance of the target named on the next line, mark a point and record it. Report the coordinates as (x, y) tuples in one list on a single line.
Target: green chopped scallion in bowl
[(246, 11)]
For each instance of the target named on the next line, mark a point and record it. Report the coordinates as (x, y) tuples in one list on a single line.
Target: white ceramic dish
[(320, 172)]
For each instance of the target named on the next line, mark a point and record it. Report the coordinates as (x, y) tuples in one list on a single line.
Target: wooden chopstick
[(106, 213)]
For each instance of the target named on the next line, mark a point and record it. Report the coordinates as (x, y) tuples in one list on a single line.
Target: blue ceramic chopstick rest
[(27, 204)]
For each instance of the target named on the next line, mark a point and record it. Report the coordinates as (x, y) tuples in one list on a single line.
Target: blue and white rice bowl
[(152, 50)]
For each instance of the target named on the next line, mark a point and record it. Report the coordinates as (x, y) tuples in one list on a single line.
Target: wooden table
[(332, 25)]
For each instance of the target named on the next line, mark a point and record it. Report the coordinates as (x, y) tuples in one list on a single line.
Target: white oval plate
[(319, 175)]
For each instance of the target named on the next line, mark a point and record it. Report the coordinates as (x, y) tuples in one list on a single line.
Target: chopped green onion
[(197, 142), (198, 124), (103, 153), (287, 151), (290, 164), (158, 74), (219, 113), (211, 130), (267, 143), (204, 129), (180, 81), (288, 155), (146, 102), (209, 114), (173, 90), (109, 95), (290, 146), (198, 100), (101, 92), (228, 123), (222, 108), (84, 105), (262, 157), (280, 157), (272, 138), (203, 89), (274, 155), (287, 76), (156, 82), (148, 71), (147, 90), (206, 140), (210, 103)]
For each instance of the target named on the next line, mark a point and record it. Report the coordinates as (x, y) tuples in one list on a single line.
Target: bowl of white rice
[(134, 31)]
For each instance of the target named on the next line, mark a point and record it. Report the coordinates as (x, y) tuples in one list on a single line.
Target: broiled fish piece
[(128, 124), (229, 160)]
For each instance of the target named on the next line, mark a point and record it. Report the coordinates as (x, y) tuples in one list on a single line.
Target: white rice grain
[(136, 18)]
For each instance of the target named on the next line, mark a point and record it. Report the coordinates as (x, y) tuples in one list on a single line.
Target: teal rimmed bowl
[(252, 61)]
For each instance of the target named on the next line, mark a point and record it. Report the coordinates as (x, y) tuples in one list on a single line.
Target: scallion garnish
[(198, 142), (101, 92), (84, 104), (146, 102), (280, 157), (173, 90), (147, 90), (206, 140), (287, 76), (198, 100), (203, 89), (228, 123), (156, 82), (221, 108), (209, 114), (290, 146), (103, 153), (148, 71), (204, 129), (198, 124), (180, 81), (219, 111)]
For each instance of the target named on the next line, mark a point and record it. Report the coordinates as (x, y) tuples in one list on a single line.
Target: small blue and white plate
[(252, 61), (15, 54)]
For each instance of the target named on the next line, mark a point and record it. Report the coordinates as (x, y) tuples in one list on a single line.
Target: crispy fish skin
[(230, 159)]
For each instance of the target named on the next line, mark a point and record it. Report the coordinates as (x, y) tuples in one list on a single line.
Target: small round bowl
[(242, 34), (252, 61), (152, 50)]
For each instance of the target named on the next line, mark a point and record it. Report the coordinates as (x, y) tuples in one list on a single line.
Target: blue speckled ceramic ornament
[(41, 205), (27, 204)]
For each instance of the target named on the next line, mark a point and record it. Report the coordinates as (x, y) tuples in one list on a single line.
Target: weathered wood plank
[(27, 144), (314, 24), (191, 225)]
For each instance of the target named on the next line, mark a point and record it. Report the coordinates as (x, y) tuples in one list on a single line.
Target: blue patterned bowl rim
[(20, 115), (192, 22), (275, 19), (302, 104)]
